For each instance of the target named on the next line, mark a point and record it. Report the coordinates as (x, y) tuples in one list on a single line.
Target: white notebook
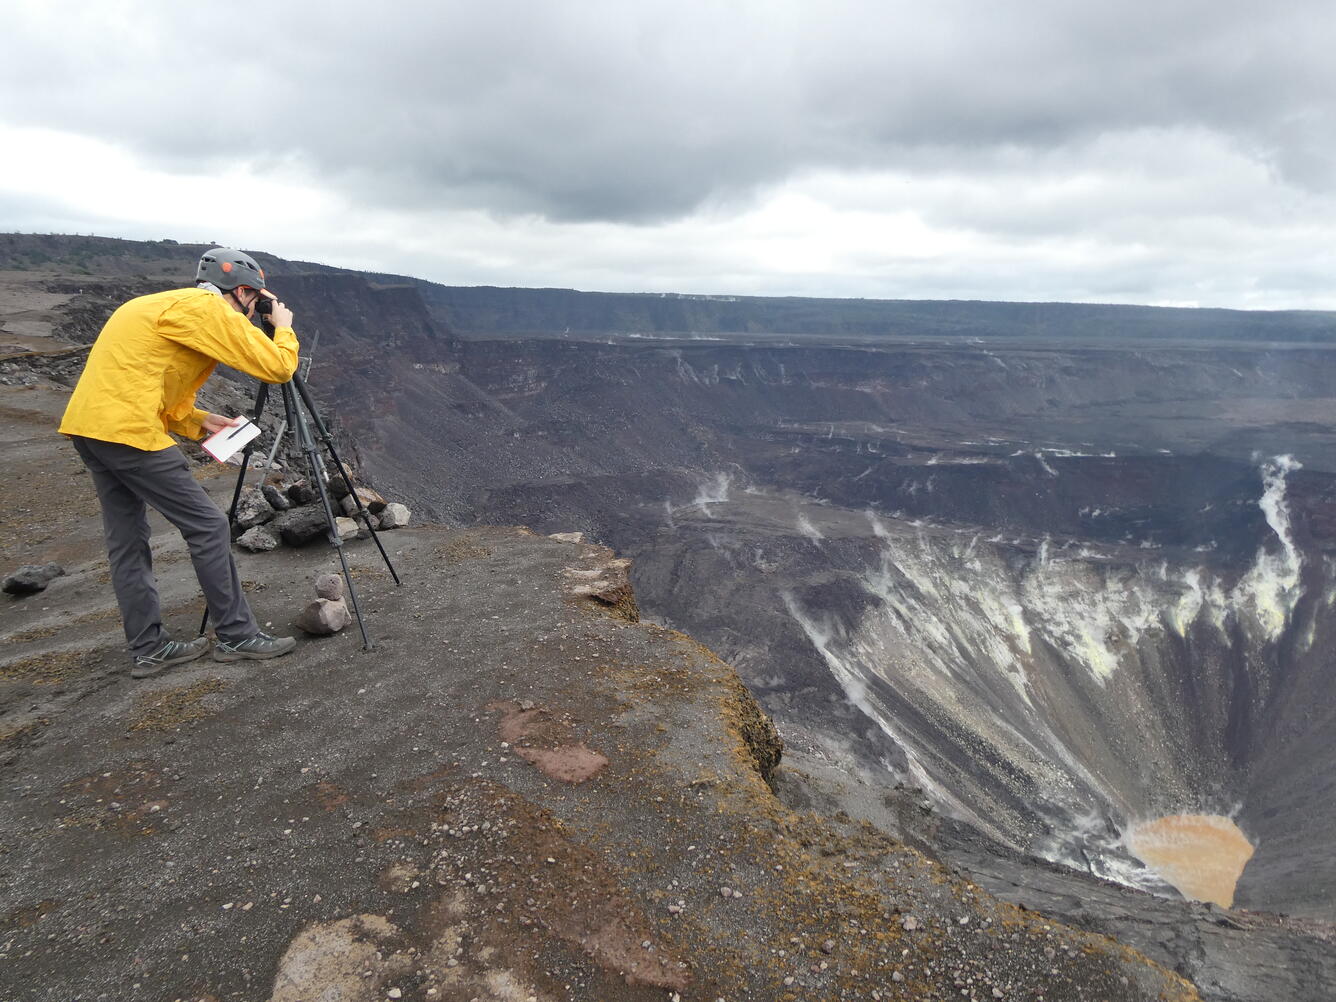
[(223, 445)]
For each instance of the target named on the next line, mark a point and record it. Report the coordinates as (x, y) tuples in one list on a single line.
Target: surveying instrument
[(303, 421)]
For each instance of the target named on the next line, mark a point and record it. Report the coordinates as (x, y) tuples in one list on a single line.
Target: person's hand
[(216, 422), (279, 315)]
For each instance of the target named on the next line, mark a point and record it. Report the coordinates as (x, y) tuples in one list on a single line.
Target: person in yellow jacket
[(138, 384)]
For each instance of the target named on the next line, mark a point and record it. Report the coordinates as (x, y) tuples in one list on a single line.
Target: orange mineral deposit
[(1203, 855)]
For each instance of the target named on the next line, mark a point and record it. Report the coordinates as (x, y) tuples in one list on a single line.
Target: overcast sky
[(1149, 151)]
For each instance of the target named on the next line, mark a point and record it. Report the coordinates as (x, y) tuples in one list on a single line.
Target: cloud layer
[(1181, 152)]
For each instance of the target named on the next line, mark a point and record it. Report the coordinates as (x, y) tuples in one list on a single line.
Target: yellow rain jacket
[(152, 357)]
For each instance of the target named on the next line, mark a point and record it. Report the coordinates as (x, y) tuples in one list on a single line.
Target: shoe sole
[(140, 673), (220, 656)]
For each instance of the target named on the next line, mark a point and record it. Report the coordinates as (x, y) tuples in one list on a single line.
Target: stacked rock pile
[(329, 612), (280, 512)]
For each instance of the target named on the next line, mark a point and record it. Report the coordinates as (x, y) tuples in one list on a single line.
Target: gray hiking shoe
[(260, 647), (172, 652)]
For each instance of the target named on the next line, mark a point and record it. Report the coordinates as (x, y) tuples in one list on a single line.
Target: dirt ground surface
[(521, 793)]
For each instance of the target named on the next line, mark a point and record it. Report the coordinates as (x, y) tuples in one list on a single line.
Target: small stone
[(258, 539), (997, 993), (909, 924), (329, 586), (828, 946), (31, 578), (276, 498), (567, 537), (897, 977), (252, 509), (394, 516), (323, 617), (372, 500), (726, 892), (394, 993)]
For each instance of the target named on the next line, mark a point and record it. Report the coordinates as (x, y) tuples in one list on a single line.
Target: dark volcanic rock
[(302, 493), (252, 509), (303, 525), (276, 498), (258, 539), (31, 578)]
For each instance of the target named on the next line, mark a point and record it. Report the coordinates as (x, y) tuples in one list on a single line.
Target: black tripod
[(295, 398)]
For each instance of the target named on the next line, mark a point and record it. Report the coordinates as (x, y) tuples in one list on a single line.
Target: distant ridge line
[(498, 310)]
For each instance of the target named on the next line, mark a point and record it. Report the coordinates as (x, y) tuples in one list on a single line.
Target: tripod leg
[(328, 442), (318, 477)]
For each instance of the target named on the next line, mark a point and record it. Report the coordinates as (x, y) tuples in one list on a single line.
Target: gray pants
[(126, 479)]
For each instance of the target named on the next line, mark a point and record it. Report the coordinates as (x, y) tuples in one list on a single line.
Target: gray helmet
[(228, 269)]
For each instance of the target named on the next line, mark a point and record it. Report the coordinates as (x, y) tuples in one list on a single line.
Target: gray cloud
[(646, 111)]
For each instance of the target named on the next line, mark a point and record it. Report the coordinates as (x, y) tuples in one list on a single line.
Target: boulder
[(329, 586), (347, 527), (324, 616), (302, 493), (394, 516), (371, 500), (258, 539), (568, 537), (303, 525), (31, 578), (252, 509), (276, 498)]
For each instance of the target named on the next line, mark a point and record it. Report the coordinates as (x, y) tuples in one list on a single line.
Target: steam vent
[(965, 650)]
